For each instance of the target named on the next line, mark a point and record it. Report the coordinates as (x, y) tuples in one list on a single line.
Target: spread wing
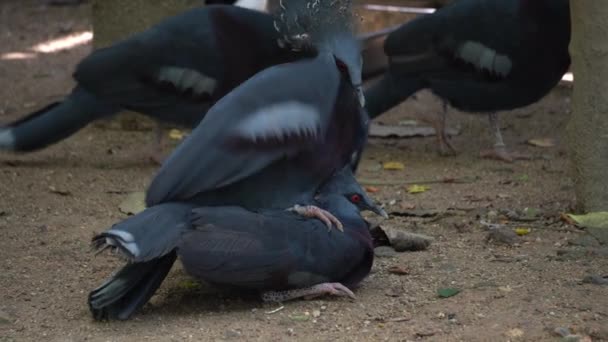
[(275, 114)]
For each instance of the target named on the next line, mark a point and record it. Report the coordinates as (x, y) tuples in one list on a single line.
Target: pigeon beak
[(376, 209), (360, 95), (373, 207)]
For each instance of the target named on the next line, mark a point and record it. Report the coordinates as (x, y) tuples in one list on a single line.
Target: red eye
[(356, 198), (341, 66)]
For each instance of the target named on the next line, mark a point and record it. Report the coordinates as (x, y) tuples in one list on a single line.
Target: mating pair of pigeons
[(247, 198), (270, 152)]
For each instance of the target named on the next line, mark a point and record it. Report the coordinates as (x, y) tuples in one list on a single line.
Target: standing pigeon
[(258, 5), (375, 61), (275, 252), (173, 72), (281, 133), (478, 56)]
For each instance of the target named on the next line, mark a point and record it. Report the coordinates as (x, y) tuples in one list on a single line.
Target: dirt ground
[(52, 202)]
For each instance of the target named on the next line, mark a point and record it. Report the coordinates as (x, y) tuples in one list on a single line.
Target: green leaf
[(448, 292), (300, 318), (190, 285), (592, 220), (417, 189)]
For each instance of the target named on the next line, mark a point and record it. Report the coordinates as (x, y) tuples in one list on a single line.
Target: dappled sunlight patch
[(55, 45), (400, 9), (64, 43), (12, 56)]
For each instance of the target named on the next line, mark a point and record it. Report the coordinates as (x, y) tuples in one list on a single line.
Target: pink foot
[(312, 211), (437, 120), (332, 289), (155, 149), (501, 153)]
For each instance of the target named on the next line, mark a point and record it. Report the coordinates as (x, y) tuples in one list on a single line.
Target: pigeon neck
[(338, 205)]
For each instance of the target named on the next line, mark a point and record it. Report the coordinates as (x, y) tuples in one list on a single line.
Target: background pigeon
[(478, 56)]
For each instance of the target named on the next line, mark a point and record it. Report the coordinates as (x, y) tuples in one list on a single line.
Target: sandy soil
[(53, 202)]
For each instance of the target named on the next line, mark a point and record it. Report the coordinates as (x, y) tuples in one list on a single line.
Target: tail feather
[(54, 122), (148, 235), (148, 240), (128, 290), (388, 93)]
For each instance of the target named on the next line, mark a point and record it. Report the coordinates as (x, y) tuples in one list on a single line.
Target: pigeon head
[(324, 26), (344, 187)]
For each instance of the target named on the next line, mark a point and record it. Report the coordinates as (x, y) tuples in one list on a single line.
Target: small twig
[(275, 310)]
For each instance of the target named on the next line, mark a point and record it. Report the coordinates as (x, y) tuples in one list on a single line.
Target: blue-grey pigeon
[(278, 136), (172, 72), (478, 56), (278, 253)]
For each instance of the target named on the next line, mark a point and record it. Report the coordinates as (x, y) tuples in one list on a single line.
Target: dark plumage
[(479, 56), (270, 144), (266, 250), (375, 61), (277, 137), (173, 72)]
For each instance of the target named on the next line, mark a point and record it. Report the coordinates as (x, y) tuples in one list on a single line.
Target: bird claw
[(332, 289), (325, 216), (500, 152)]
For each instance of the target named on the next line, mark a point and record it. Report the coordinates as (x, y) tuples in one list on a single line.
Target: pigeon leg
[(445, 146), (315, 212), (332, 289), (438, 122), (156, 147), (500, 151)]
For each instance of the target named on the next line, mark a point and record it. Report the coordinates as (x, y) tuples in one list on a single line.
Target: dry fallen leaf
[(566, 218), (393, 166), (371, 189), (403, 241), (521, 231), (61, 192), (416, 189), (407, 206), (542, 142), (515, 333), (505, 288), (133, 204), (176, 134)]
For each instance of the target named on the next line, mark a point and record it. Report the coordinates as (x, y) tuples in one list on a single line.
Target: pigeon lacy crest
[(304, 23)]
